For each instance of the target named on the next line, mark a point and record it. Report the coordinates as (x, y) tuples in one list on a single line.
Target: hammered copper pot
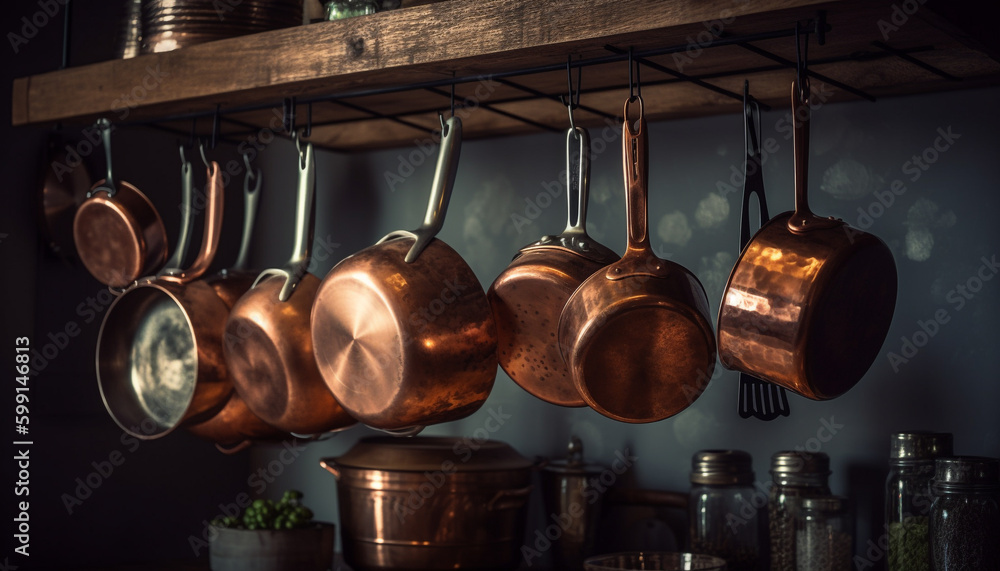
[(403, 331), (810, 300), (528, 296), (431, 503), (159, 358)]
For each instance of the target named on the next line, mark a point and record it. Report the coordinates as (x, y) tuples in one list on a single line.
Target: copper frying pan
[(235, 425), (810, 299), (529, 295), (403, 331), (636, 336), (119, 235), (268, 348), (159, 358)]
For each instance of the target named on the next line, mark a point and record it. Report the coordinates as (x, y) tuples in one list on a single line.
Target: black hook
[(802, 62), (215, 127), (634, 87), (288, 115), (309, 121), (453, 95), (574, 94)]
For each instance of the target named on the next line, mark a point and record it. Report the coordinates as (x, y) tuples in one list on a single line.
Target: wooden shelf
[(476, 38)]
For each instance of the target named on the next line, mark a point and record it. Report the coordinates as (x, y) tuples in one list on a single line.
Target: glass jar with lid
[(724, 510), (797, 475), (965, 517), (908, 496), (824, 535)]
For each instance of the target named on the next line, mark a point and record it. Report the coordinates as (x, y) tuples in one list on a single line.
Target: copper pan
[(636, 336), (235, 426), (403, 331), (159, 358), (119, 235), (268, 348), (529, 295), (63, 188), (810, 299)]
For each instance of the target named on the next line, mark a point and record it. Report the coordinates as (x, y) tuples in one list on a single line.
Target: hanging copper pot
[(636, 335), (529, 295), (810, 299)]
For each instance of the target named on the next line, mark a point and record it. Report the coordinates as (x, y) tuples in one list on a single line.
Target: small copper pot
[(403, 331), (810, 300), (636, 335), (529, 295), (268, 349), (118, 233)]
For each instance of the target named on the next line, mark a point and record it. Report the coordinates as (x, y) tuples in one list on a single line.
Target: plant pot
[(305, 549)]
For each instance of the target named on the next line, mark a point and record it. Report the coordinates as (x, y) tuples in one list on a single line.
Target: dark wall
[(96, 495)]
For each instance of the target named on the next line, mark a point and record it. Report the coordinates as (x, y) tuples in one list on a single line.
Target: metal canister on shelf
[(797, 475), (824, 535), (572, 501), (908, 496), (965, 516), (724, 521)]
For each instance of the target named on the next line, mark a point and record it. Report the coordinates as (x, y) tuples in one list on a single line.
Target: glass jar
[(341, 9), (965, 517), (797, 475), (723, 508), (908, 496), (824, 535)]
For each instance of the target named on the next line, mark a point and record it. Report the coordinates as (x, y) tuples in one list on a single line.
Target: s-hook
[(574, 94)]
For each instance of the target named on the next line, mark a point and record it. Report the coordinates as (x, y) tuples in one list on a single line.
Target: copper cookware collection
[(401, 334)]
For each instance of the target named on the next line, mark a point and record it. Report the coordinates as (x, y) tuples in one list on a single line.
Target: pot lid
[(573, 464), (423, 453)]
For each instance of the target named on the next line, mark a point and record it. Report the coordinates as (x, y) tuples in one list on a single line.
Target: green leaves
[(286, 513)]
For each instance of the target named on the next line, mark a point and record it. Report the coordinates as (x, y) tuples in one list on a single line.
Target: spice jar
[(724, 520), (797, 475), (908, 496), (824, 535), (965, 517)]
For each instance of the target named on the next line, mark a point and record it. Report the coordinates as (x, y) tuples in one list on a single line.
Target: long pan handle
[(305, 223), (803, 219), (213, 224), (184, 237), (444, 181), (635, 158), (108, 185), (577, 180), (251, 197)]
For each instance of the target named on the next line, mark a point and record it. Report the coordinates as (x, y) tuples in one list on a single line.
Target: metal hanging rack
[(445, 87)]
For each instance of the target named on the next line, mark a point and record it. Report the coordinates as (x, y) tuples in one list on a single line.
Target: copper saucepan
[(529, 295), (810, 299), (159, 358), (403, 331), (636, 336), (119, 235), (235, 425), (268, 348)]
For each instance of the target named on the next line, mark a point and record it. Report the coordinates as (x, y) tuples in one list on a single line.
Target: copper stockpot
[(403, 331), (529, 295), (159, 358), (810, 300), (636, 335), (235, 426), (431, 503), (268, 348), (119, 236)]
